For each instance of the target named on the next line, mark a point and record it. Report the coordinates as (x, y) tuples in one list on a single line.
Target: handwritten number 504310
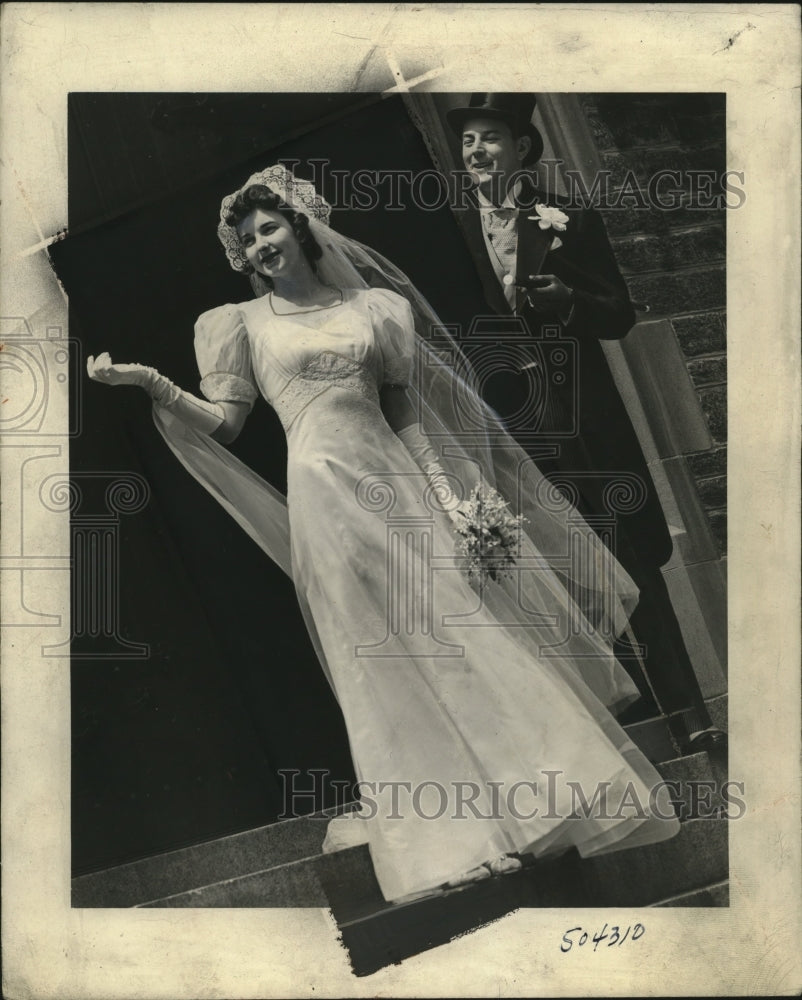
[(615, 936)]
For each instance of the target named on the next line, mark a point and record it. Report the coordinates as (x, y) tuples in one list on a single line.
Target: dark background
[(186, 745)]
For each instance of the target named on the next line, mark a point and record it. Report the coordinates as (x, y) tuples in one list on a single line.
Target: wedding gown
[(449, 714)]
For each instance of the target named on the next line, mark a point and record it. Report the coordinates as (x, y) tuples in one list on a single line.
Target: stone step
[(345, 881), (296, 884), (653, 738), (718, 708), (274, 862), (377, 934), (638, 876), (204, 864), (698, 786)]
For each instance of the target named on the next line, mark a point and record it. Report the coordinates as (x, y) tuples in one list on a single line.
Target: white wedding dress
[(448, 712)]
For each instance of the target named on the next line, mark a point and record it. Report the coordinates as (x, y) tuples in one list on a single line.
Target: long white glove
[(204, 416), (417, 444)]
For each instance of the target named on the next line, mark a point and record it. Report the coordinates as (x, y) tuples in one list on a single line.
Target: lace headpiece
[(298, 194)]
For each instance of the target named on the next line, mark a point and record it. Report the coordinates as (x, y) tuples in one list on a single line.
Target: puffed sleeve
[(394, 328), (224, 357)]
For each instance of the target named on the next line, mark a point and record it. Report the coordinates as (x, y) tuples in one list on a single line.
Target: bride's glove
[(204, 416), (417, 444)]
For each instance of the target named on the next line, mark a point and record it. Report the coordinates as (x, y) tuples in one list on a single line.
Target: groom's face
[(491, 153)]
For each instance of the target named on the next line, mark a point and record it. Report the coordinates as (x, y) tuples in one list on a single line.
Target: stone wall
[(674, 258)]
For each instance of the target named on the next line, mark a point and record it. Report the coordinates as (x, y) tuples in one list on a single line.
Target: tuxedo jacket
[(582, 415)]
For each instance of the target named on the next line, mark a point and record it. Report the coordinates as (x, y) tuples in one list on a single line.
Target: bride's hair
[(261, 196)]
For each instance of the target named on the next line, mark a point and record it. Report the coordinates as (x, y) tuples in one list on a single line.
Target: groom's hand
[(547, 293)]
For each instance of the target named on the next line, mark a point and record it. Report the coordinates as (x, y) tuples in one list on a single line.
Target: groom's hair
[(526, 130), (261, 196)]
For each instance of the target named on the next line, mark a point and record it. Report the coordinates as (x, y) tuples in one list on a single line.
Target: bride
[(478, 705)]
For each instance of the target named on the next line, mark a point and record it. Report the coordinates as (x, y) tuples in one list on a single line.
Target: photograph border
[(51, 950)]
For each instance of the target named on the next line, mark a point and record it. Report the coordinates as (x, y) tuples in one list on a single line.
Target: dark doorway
[(187, 743)]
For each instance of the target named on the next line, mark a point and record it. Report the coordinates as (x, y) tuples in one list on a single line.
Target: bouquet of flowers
[(488, 534)]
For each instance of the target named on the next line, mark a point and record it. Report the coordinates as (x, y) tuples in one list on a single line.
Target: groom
[(551, 266)]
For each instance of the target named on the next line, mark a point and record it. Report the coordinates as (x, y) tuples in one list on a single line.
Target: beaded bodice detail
[(323, 371), (345, 354)]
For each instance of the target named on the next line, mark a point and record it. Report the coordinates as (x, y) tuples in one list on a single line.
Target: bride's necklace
[(295, 312)]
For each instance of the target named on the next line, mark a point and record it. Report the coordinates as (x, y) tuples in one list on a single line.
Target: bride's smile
[(270, 244)]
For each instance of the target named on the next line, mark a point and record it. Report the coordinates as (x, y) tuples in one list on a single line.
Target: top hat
[(513, 109)]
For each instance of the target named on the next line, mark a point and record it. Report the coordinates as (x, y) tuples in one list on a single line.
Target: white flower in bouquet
[(489, 535)]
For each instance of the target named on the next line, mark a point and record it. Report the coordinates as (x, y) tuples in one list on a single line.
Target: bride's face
[(270, 244)]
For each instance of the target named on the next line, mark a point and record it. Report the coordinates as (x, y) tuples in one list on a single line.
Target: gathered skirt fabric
[(466, 743), (479, 719)]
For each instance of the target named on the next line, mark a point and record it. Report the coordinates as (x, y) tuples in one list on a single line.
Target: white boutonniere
[(549, 217)]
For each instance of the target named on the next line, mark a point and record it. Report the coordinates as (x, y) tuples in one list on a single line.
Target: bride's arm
[(400, 414), (221, 421), (397, 407)]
